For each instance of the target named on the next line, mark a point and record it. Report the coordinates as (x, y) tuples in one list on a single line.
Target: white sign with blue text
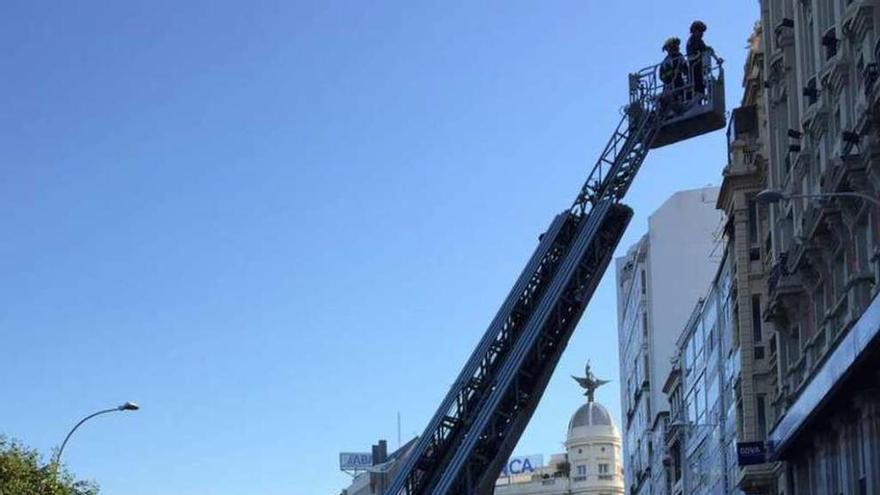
[(522, 465), (355, 460)]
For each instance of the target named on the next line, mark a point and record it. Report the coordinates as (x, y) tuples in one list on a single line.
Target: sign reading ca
[(355, 460), (523, 465)]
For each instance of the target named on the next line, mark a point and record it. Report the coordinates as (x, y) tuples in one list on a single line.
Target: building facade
[(751, 354), (657, 282), (821, 71), (700, 432), (722, 379)]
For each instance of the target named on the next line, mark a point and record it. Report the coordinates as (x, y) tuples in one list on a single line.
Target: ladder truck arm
[(479, 422)]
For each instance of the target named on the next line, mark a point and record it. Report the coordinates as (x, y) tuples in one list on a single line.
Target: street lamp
[(769, 196), (128, 406)]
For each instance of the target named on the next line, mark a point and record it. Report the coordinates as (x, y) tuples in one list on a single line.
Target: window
[(863, 250), (819, 305), (582, 470), (753, 221), (794, 346), (826, 13), (762, 417), (698, 342), (644, 283), (830, 42), (839, 274), (713, 393), (756, 318), (710, 339), (603, 468), (807, 39)]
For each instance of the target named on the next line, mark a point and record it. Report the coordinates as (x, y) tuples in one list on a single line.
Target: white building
[(591, 464), (658, 281)]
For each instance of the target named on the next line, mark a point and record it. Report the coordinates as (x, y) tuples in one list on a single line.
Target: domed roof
[(591, 414)]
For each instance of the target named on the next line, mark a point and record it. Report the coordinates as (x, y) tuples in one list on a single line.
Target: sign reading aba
[(353, 461), (522, 465)]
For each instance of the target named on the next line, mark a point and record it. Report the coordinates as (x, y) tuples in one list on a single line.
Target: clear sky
[(276, 224)]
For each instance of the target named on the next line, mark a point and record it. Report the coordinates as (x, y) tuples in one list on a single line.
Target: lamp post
[(769, 196), (128, 406)]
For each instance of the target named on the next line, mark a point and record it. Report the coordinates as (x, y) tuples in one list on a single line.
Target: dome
[(591, 414)]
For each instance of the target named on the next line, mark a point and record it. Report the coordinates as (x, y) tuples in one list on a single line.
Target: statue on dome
[(589, 382)]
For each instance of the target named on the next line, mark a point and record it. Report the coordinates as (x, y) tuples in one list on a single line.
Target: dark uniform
[(672, 73), (672, 70), (696, 50)]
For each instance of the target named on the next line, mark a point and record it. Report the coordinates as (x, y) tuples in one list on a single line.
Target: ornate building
[(823, 174), (591, 464), (751, 357)]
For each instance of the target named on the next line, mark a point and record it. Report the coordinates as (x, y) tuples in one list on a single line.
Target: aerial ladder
[(478, 424)]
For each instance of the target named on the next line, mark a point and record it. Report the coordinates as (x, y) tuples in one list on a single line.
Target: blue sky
[(277, 224)]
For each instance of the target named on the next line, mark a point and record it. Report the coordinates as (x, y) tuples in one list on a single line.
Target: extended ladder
[(489, 405)]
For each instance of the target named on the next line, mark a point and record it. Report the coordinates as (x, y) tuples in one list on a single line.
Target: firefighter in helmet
[(673, 67), (697, 55)]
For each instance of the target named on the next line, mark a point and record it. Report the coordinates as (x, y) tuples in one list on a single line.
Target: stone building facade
[(820, 63), (752, 352)]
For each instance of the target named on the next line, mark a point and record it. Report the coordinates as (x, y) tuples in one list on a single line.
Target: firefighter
[(673, 67), (697, 52)]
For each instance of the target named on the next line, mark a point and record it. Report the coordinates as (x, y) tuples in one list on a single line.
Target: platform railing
[(649, 109), (648, 90)]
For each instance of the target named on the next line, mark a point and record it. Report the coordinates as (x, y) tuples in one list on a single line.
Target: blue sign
[(355, 460), (523, 465), (749, 453)]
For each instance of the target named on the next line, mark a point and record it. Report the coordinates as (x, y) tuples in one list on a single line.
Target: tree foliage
[(22, 473)]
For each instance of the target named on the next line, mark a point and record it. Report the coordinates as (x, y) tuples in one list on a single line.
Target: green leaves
[(21, 473)]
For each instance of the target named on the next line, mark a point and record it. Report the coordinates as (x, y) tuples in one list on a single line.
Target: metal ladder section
[(478, 424)]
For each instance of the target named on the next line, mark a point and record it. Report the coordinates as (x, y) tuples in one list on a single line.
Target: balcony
[(815, 116), (857, 19), (784, 287)]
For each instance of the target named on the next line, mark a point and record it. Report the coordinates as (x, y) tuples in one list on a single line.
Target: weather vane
[(589, 382)]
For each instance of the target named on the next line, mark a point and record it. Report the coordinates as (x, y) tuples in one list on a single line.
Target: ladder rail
[(514, 361), (479, 356)]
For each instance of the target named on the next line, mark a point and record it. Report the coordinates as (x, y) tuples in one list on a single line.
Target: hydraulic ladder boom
[(489, 405)]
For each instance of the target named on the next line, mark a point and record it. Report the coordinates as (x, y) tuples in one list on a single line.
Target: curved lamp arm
[(870, 199), (128, 406), (769, 196)]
